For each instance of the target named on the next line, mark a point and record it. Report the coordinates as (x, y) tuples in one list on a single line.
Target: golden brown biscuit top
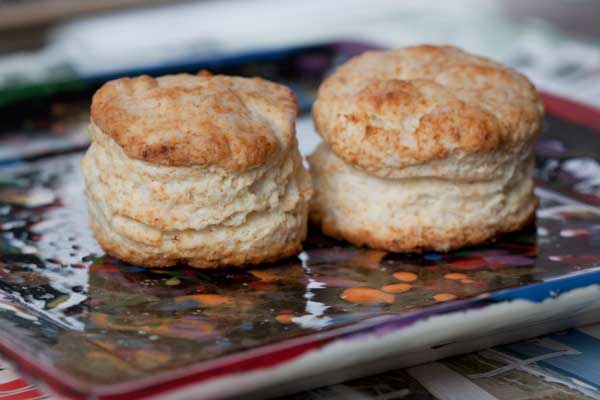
[(183, 120), (391, 109)]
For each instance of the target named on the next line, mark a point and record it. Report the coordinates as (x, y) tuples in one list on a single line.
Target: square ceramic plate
[(90, 326)]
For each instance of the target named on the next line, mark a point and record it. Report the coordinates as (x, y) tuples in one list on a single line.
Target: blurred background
[(556, 43)]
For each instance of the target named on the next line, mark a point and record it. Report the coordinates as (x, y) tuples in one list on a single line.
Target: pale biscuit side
[(203, 216), (416, 214)]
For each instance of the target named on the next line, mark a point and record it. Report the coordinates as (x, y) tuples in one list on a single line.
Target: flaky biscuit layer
[(158, 215), (413, 214)]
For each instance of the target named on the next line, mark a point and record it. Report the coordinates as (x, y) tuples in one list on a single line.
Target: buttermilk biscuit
[(201, 170), (426, 147)]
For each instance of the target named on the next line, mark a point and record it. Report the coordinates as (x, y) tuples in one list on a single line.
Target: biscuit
[(199, 170), (426, 148)]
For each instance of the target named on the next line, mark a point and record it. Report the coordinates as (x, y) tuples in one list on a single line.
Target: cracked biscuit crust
[(209, 120), (384, 111)]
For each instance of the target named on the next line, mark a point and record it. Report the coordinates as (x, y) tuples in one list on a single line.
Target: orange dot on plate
[(207, 299), (456, 276), (285, 318), (444, 297), (264, 275), (405, 276), (467, 281), (397, 288), (365, 295)]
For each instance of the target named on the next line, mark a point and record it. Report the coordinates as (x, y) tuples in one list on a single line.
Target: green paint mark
[(98, 260), (57, 301)]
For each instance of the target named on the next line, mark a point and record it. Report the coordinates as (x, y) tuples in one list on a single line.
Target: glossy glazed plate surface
[(90, 325)]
